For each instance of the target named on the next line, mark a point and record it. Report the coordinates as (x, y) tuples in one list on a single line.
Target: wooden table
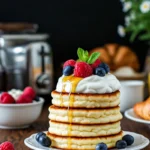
[(17, 136)]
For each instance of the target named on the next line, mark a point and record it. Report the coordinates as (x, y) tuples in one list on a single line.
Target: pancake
[(80, 100), (76, 143), (85, 106), (78, 130), (85, 116)]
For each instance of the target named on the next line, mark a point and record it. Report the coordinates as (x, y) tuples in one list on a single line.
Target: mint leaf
[(80, 52), (93, 57), (83, 55), (86, 53)]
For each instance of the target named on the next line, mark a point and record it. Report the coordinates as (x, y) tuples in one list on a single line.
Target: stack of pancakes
[(80, 121)]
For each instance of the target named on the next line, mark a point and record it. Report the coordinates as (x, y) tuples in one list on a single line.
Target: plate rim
[(32, 146), (138, 119), (143, 145)]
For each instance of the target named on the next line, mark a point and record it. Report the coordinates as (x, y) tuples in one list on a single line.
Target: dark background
[(72, 24)]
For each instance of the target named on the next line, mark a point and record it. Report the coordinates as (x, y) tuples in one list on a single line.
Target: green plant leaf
[(133, 35), (145, 36), (93, 57)]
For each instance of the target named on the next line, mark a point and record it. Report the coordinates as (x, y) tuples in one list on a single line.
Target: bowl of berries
[(19, 109)]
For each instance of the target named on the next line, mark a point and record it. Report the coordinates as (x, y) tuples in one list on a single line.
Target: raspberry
[(7, 146), (29, 91), (24, 99), (70, 62), (6, 98), (95, 64), (82, 69)]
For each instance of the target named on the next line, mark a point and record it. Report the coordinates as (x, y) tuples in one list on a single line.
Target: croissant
[(117, 56), (142, 109)]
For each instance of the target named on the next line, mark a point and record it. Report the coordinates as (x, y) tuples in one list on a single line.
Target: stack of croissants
[(142, 109)]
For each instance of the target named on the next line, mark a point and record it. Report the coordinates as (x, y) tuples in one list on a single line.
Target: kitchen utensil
[(21, 61)]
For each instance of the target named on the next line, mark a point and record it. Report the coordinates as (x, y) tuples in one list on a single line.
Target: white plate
[(132, 116), (139, 142)]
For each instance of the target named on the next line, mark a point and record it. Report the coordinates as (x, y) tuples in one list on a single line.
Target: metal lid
[(18, 27)]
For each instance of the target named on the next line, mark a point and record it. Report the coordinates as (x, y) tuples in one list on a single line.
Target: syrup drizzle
[(73, 81), (64, 82)]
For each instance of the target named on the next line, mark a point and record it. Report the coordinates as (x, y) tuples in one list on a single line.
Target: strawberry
[(29, 91), (70, 62), (6, 98), (95, 64), (7, 146), (24, 99), (82, 69)]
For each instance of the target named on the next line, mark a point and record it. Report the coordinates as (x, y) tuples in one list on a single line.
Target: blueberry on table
[(101, 146), (121, 144), (44, 140), (129, 139), (38, 135), (100, 71), (68, 70)]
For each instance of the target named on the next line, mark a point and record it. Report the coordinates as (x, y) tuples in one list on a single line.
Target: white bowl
[(15, 116)]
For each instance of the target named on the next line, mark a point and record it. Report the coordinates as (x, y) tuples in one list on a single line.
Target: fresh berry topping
[(37, 98), (101, 146), (105, 66), (100, 71), (7, 146), (68, 70), (70, 62), (82, 69), (96, 63), (30, 92), (38, 135), (121, 144), (24, 99), (129, 139), (44, 140), (6, 98)]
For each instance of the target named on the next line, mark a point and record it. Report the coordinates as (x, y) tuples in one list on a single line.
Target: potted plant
[(137, 19)]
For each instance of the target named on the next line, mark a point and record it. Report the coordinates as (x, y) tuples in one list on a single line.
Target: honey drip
[(73, 81), (64, 82)]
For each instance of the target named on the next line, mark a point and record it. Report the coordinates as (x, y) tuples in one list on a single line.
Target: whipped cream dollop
[(92, 84), (15, 93)]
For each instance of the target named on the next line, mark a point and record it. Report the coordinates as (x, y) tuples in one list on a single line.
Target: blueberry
[(37, 98), (38, 135), (68, 70), (105, 66), (121, 144), (129, 139), (44, 140), (1, 92), (100, 71), (101, 146)]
